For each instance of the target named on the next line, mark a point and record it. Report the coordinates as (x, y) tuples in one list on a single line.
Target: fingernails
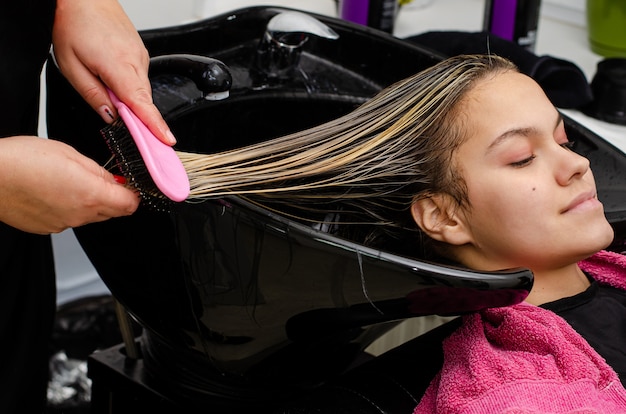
[(119, 179), (171, 139), (106, 113)]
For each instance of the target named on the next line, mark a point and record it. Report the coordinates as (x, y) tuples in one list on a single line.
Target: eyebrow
[(523, 132)]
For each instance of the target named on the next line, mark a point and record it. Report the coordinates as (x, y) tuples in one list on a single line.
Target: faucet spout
[(296, 22), (286, 33)]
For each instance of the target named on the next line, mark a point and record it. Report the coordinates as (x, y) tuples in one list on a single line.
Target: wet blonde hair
[(368, 166)]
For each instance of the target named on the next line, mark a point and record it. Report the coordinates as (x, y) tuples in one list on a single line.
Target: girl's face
[(533, 201)]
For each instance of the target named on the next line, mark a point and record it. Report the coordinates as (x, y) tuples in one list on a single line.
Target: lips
[(583, 199)]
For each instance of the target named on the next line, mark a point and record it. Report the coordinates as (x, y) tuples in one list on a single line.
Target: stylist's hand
[(47, 186), (96, 46)]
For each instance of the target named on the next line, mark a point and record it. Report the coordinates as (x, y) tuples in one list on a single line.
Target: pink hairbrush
[(148, 164)]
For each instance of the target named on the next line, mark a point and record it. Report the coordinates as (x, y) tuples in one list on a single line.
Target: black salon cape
[(27, 282)]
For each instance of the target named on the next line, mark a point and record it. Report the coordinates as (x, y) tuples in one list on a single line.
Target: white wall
[(147, 14)]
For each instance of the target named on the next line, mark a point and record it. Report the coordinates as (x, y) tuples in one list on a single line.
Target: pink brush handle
[(164, 166)]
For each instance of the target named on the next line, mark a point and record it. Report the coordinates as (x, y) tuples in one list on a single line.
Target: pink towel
[(606, 267), (525, 359)]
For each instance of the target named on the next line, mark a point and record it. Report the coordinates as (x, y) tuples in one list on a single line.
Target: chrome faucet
[(286, 33)]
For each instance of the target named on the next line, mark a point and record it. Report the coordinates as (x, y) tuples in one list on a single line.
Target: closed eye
[(569, 145), (523, 162)]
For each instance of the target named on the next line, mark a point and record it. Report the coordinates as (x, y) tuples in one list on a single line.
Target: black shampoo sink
[(240, 304)]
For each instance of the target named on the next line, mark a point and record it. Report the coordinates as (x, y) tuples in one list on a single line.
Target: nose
[(571, 166)]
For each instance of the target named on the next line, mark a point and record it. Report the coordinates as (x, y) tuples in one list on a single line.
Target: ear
[(437, 217)]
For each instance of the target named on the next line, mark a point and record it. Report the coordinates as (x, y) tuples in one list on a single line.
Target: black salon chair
[(393, 382)]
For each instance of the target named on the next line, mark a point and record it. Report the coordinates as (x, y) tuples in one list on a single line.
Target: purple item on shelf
[(354, 10)]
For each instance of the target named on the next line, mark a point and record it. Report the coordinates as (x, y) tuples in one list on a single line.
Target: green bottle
[(606, 24)]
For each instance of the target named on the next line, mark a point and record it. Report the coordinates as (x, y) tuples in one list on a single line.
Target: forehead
[(504, 88), (505, 101)]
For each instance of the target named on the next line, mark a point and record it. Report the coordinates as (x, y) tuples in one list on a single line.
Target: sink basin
[(234, 122), (241, 305)]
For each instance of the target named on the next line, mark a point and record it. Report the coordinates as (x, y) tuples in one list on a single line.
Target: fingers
[(112, 56), (106, 200), (47, 186), (136, 93), (109, 196), (130, 88), (90, 88), (122, 201)]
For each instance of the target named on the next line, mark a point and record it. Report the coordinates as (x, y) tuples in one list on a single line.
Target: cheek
[(506, 206)]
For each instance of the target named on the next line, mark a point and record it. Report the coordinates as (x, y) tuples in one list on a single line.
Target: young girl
[(526, 200), (471, 160)]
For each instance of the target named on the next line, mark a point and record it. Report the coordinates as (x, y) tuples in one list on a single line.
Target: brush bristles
[(131, 165)]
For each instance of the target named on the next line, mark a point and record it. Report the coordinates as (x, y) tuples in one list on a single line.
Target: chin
[(600, 239)]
